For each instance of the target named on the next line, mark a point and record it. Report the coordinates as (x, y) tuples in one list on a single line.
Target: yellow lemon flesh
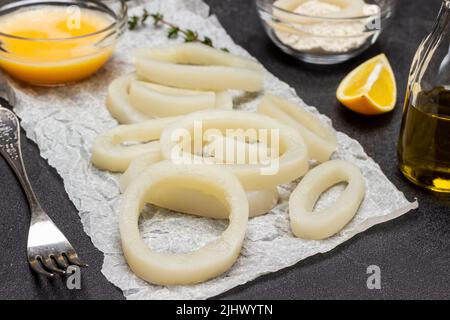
[(369, 89)]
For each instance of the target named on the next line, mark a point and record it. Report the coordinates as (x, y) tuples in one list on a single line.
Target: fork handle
[(10, 150)]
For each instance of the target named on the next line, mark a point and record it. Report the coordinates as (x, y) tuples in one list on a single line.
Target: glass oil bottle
[(424, 142)]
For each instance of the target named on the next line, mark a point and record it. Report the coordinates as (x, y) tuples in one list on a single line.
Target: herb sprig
[(173, 31)]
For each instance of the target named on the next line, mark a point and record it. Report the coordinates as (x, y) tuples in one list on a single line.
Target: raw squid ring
[(320, 138), (261, 202), (135, 168), (290, 165), (320, 225), (220, 146), (127, 110), (209, 261), (194, 202), (119, 104), (155, 100), (109, 153), (199, 67)]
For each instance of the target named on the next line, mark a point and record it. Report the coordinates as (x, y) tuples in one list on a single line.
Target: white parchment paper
[(64, 122)]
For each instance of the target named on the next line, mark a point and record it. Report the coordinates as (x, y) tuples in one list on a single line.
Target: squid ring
[(291, 163), (136, 167), (199, 67), (110, 153), (119, 104), (320, 138), (126, 108), (320, 225), (209, 261), (260, 201), (160, 101)]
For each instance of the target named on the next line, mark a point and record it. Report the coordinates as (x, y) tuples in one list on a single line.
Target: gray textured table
[(413, 251)]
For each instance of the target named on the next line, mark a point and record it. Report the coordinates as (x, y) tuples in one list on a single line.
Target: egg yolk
[(48, 45)]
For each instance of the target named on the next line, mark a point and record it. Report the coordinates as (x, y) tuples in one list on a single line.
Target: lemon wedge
[(369, 89)]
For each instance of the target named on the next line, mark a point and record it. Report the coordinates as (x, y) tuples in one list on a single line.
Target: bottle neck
[(442, 27), (444, 14), (431, 43)]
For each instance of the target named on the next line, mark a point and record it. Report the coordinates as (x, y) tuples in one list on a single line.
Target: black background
[(412, 251)]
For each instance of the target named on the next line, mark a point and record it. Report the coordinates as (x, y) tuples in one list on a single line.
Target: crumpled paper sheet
[(64, 122)]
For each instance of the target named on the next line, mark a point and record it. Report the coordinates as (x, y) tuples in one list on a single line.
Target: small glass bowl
[(324, 40), (59, 61)]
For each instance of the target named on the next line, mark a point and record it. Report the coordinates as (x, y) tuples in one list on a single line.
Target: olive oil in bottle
[(424, 142), (424, 146)]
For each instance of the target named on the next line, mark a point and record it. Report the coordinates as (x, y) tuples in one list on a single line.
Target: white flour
[(338, 36)]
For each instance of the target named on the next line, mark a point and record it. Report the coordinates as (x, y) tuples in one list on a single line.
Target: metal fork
[(49, 251)]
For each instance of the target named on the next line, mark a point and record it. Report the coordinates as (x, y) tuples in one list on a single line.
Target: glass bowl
[(324, 38), (50, 61)]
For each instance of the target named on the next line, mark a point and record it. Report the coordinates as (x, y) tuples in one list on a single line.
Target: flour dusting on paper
[(64, 122)]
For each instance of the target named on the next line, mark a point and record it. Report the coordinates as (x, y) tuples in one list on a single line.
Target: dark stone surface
[(413, 251)]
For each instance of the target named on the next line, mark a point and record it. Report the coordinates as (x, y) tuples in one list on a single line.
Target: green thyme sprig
[(173, 31)]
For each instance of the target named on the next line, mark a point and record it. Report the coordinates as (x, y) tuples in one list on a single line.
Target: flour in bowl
[(320, 27)]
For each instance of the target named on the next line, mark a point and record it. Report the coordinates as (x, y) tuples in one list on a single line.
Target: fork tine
[(73, 259), (49, 264), (61, 261), (37, 267)]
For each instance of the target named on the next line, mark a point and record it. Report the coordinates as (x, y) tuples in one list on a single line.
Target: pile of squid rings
[(178, 86)]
